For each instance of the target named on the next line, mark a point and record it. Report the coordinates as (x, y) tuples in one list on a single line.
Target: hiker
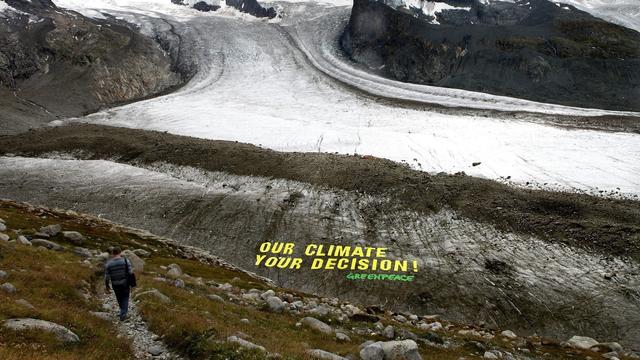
[(119, 271)]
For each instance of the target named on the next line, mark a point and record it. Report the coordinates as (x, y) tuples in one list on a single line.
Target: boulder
[(179, 283), (155, 350), (174, 271), (245, 344), (73, 237), (8, 288), (82, 252), (581, 342), (492, 354), (47, 244), (61, 332), (406, 334), (142, 252), (508, 334), (3, 274), (3, 227), (316, 325), (372, 352), (136, 262), (275, 304), (400, 350), (342, 337), (607, 347), (51, 230), (245, 321), (267, 294), (23, 241), (323, 355), (4, 237), (389, 332), (25, 303), (154, 293), (215, 297)]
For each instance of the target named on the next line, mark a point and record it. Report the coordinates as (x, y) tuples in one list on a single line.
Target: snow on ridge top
[(429, 8)]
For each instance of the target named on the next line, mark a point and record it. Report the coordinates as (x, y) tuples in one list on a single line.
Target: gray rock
[(2, 220), (47, 244), (3, 274), (275, 304), (51, 230), (8, 288), (73, 237), (607, 347), (406, 334), (225, 287), (492, 354), (400, 350), (23, 241), (323, 355), (174, 271), (41, 235), (142, 252), (155, 293), (179, 283), (4, 237), (136, 262), (400, 318), (372, 352), (267, 294), (245, 321), (82, 252), (61, 332), (342, 337), (581, 342), (389, 332), (155, 350), (611, 355), (215, 297), (317, 325), (3, 227), (244, 343), (25, 303), (508, 334)]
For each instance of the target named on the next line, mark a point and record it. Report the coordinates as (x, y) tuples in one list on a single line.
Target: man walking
[(117, 271)]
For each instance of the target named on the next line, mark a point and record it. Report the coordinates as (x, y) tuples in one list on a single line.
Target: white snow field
[(275, 85)]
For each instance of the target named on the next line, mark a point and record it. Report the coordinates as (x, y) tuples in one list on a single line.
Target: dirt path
[(145, 342)]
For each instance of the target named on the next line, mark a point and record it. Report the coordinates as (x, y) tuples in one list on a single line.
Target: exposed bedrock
[(56, 63), (536, 49)]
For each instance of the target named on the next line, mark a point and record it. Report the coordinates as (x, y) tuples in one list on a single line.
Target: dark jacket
[(116, 271)]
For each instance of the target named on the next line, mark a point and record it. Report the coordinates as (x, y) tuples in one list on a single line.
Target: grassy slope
[(192, 324)]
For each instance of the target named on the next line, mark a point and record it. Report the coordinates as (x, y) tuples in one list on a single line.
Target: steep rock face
[(55, 63), (534, 49), (251, 7)]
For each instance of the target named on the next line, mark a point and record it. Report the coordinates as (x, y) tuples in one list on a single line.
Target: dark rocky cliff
[(535, 50), (56, 63)]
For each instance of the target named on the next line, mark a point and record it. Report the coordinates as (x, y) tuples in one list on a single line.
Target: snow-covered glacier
[(282, 84)]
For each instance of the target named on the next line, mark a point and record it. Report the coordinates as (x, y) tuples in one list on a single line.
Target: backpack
[(131, 277)]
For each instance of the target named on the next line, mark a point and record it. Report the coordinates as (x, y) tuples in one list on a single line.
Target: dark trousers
[(122, 295)]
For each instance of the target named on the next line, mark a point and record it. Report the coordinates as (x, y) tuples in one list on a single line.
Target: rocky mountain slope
[(537, 49), (56, 63), (192, 305)]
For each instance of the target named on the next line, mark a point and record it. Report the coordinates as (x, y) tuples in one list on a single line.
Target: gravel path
[(146, 344)]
